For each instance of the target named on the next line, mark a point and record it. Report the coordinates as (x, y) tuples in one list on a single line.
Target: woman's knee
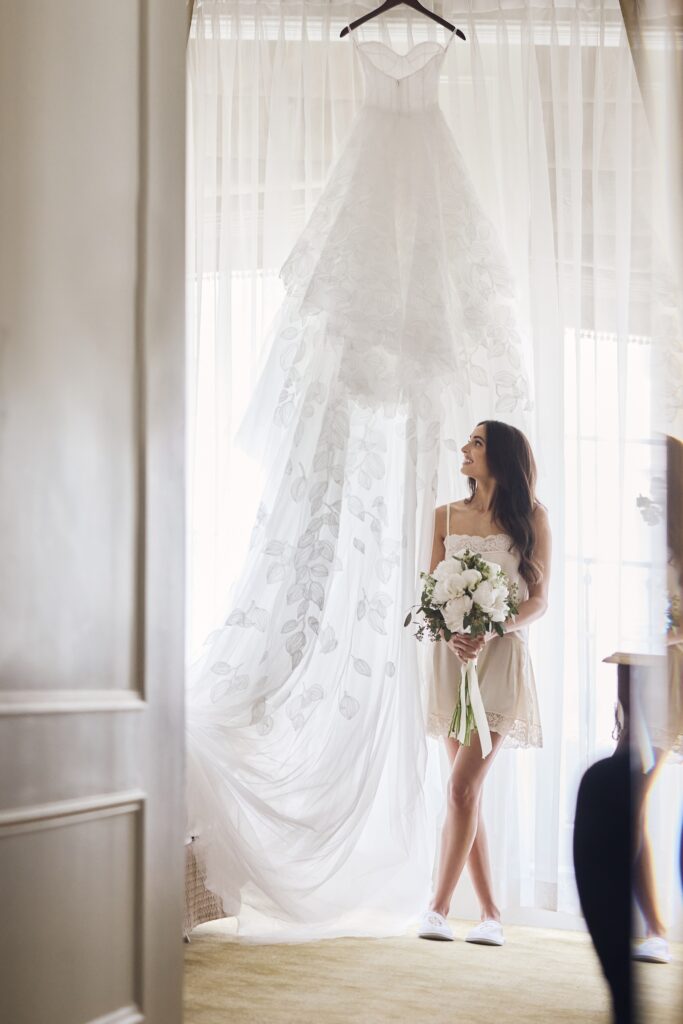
[(463, 793)]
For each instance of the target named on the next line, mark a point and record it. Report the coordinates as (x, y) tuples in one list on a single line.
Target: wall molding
[(59, 813), (58, 702)]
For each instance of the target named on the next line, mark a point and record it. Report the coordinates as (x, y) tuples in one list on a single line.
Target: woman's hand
[(468, 647)]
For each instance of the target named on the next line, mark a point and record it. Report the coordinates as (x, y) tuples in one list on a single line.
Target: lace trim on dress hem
[(517, 733)]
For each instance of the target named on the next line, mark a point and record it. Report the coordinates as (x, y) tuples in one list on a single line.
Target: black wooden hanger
[(415, 4)]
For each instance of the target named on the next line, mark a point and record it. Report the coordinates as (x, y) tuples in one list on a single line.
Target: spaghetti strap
[(448, 519)]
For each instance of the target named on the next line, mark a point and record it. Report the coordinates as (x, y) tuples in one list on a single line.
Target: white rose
[(456, 584), (500, 605), (450, 582), (449, 567), (484, 596), (455, 611), (471, 577), (440, 594)]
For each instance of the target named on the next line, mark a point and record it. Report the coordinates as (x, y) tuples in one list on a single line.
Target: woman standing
[(504, 522)]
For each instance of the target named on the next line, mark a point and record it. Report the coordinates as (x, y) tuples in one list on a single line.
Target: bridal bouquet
[(466, 594)]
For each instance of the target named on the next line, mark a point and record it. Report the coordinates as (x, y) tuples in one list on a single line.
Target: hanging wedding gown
[(308, 782)]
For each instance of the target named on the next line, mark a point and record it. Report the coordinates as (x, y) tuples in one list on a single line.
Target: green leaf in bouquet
[(408, 619)]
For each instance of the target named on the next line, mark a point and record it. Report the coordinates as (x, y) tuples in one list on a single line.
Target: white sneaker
[(434, 926), (487, 933), (654, 950)]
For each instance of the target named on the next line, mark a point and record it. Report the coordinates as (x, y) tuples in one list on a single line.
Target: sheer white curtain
[(543, 102)]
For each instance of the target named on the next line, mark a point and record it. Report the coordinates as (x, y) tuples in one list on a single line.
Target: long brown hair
[(512, 465)]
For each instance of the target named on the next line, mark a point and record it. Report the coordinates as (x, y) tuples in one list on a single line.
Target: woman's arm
[(438, 544)]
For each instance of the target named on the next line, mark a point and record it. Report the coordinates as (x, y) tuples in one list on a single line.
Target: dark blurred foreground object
[(602, 863), (611, 850)]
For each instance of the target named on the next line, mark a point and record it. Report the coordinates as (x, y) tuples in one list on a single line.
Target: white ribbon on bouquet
[(469, 682)]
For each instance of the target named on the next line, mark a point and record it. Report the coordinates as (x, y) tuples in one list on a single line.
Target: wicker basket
[(200, 903)]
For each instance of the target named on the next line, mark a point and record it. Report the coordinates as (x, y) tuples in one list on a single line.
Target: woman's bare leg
[(645, 889), (479, 867), (478, 863), (644, 877), (462, 816)]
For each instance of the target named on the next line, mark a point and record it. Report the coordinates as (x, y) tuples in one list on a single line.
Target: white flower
[(450, 581), (455, 611), (471, 577), (440, 594), (449, 567), (501, 609), (491, 596), (484, 596)]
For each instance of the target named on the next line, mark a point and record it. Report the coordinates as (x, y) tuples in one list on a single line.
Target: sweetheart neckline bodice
[(363, 45), (401, 56)]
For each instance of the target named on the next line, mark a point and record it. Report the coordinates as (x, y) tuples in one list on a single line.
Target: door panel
[(91, 510), (70, 89), (83, 939)]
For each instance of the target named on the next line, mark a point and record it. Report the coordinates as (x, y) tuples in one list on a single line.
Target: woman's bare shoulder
[(455, 506)]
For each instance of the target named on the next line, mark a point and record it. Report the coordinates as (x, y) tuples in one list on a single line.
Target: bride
[(503, 520)]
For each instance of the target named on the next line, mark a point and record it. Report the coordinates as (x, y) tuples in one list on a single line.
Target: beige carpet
[(538, 977)]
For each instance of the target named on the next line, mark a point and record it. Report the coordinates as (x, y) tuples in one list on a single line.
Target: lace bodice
[(482, 545), (401, 82)]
